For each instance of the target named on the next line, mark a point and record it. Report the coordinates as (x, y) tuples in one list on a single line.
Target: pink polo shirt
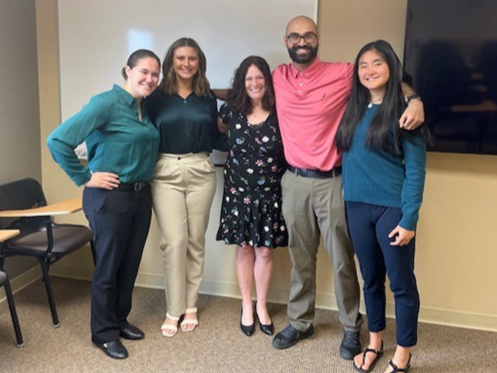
[(310, 105)]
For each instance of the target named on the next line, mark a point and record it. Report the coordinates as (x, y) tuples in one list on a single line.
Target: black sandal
[(379, 354), (396, 369)]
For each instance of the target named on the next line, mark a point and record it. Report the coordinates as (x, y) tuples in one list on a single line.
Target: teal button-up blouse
[(116, 140)]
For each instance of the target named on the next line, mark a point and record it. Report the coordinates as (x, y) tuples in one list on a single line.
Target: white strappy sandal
[(169, 327), (186, 323)]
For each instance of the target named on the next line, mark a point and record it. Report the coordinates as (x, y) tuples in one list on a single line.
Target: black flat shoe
[(114, 349), (132, 333), (248, 330)]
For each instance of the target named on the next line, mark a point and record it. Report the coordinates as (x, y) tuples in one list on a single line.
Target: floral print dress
[(251, 209)]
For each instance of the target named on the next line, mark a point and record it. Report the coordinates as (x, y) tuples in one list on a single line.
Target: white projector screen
[(97, 36)]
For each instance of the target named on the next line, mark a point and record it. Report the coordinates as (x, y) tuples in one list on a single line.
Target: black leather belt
[(318, 174), (131, 187)]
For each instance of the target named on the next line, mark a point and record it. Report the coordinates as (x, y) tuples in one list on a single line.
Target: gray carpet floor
[(217, 345)]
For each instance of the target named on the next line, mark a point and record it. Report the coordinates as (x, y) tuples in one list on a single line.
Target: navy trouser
[(369, 227), (120, 221)]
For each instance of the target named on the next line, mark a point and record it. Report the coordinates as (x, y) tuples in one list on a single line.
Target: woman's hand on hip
[(103, 180)]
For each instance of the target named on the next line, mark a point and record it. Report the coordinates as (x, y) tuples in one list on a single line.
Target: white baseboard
[(458, 319), (427, 315), (276, 295)]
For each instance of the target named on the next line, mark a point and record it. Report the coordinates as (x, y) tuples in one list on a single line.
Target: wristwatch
[(413, 97)]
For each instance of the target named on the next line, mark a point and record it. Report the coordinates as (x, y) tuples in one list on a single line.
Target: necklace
[(370, 105)]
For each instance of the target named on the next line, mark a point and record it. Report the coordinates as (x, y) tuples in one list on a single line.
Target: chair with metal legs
[(23, 206), (4, 281)]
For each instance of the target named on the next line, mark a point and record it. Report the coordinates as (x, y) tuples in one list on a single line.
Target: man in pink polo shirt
[(311, 98)]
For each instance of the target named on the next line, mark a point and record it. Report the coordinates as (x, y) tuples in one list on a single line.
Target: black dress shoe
[(114, 349), (265, 328), (131, 332), (290, 336), (351, 345), (248, 330)]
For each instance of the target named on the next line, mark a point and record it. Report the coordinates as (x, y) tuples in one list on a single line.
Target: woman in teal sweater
[(383, 181)]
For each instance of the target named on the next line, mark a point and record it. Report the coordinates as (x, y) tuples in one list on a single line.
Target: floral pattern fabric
[(251, 208)]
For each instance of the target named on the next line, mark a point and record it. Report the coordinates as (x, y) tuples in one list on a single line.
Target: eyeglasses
[(309, 37)]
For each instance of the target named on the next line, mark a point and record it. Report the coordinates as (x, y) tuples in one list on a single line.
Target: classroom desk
[(6, 234), (60, 208)]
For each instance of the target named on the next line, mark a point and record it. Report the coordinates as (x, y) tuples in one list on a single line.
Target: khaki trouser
[(182, 191), (314, 207)]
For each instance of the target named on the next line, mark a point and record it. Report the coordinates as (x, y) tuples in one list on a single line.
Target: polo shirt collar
[(306, 72), (123, 94)]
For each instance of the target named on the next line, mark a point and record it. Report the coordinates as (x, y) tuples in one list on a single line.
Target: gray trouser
[(312, 207)]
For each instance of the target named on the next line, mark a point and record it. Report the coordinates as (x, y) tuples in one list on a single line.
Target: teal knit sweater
[(379, 178)]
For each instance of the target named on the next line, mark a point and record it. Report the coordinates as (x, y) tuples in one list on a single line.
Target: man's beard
[(303, 58)]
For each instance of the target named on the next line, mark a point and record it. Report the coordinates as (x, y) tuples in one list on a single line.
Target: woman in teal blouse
[(185, 112), (122, 146)]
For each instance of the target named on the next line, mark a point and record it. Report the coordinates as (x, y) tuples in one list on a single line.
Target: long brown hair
[(238, 100), (169, 84)]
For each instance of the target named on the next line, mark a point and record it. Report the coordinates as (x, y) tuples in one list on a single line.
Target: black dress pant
[(369, 227), (120, 221)]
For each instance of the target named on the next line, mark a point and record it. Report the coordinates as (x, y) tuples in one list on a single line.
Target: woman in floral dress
[(251, 215)]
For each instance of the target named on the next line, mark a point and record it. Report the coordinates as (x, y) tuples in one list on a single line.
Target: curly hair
[(238, 100)]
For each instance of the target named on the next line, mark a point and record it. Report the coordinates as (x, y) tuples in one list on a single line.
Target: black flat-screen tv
[(450, 59)]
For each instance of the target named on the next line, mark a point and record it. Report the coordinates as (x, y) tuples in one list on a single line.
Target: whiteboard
[(97, 36)]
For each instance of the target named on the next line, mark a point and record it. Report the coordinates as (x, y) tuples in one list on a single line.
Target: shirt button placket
[(300, 85)]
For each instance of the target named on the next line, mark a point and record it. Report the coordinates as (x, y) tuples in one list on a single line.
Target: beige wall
[(56, 184), (455, 254), (19, 117)]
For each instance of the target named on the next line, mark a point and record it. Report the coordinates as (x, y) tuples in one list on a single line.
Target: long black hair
[(389, 112), (238, 100)]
